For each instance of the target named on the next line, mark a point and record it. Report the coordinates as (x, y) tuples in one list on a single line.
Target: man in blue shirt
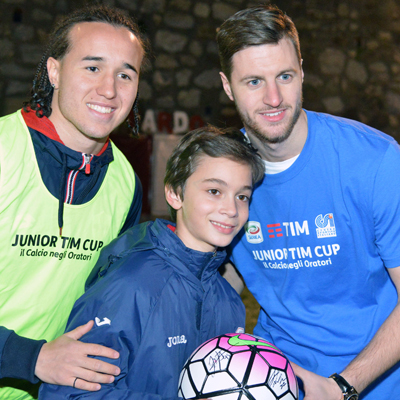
[(321, 250)]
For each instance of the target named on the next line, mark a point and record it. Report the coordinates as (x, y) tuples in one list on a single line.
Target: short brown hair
[(254, 26)]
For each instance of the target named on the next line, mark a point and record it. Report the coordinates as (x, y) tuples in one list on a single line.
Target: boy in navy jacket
[(155, 293)]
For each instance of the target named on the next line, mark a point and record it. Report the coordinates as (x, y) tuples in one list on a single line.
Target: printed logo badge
[(105, 321), (253, 232), (174, 340), (325, 226), (274, 230), (237, 341)]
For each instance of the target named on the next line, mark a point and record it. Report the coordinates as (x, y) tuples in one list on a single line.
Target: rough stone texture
[(145, 90), (166, 61), (41, 16), (15, 88), (162, 78), (128, 5), (17, 71), (350, 49), (356, 72), (188, 60), (31, 54), (150, 6), (179, 20), (379, 72), (6, 49), (23, 33), (183, 5), (223, 98), (334, 105), (196, 48), (169, 41), (393, 100), (208, 79), (222, 11), (332, 61), (183, 77), (201, 10), (165, 102), (212, 48), (189, 98)]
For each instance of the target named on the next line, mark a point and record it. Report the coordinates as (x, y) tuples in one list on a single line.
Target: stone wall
[(350, 49)]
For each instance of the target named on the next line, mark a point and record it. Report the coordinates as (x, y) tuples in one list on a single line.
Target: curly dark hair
[(59, 46), (213, 142)]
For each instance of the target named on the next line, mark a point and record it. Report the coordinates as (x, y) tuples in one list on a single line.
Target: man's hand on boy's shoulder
[(64, 361)]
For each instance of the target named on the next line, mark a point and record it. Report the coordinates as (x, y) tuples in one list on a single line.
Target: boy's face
[(215, 205)]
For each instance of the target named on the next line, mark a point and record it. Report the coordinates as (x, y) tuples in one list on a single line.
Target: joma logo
[(174, 340)]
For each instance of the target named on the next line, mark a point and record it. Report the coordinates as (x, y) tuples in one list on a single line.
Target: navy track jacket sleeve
[(18, 355)]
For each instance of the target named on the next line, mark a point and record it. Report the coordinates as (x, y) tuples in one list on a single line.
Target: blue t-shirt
[(319, 237)]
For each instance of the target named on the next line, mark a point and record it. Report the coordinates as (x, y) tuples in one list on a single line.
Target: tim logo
[(325, 226), (274, 230), (253, 232)]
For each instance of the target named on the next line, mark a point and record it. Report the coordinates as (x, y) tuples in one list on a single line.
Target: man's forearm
[(378, 356)]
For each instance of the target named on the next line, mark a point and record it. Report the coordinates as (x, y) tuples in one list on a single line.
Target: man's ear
[(173, 199), (226, 85), (53, 70)]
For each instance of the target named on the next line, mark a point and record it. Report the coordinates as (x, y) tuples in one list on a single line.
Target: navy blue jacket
[(58, 165), (154, 301)]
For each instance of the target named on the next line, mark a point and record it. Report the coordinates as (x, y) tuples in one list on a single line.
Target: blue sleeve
[(386, 207), (135, 210), (18, 355), (117, 325)]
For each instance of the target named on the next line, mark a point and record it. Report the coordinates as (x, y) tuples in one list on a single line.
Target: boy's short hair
[(212, 142)]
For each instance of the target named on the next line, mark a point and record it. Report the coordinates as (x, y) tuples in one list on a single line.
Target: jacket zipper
[(86, 159)]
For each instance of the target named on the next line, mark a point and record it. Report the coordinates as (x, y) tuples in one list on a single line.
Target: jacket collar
[(42, 129), (158, 237), (201, 265)]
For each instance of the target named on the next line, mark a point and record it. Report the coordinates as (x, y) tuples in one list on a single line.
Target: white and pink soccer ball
[(238, 366)]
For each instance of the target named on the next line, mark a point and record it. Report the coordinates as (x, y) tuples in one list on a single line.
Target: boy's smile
[(215, 203)]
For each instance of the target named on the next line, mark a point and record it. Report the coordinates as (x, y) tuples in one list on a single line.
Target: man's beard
[(253, 128)]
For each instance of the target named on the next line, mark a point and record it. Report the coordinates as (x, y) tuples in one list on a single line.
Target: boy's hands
[(65, 361)]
